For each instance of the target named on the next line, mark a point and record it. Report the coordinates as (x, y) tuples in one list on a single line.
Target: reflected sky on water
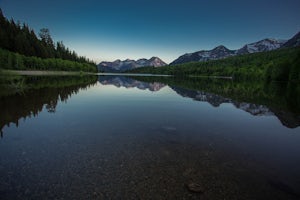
[(119, 137)]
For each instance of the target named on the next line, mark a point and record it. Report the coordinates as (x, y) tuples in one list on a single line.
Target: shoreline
[(75, 73), (44, 73)]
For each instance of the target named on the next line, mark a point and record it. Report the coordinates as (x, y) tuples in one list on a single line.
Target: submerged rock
[(195, 187)]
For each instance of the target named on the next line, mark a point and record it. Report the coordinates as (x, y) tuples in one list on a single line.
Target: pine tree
[(21, 39), (46, 37)]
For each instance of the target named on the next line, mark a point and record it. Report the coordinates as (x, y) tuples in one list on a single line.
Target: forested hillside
[(21, 48), (279, 65)]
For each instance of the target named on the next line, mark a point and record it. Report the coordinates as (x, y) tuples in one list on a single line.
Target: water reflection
[(37, 93), (109, 142), (26, 97), (287, 118), (216, 100), (122, 81), (258, 99)]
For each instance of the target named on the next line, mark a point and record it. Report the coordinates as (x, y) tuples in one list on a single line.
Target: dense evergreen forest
[(279, 65), (21, 48)]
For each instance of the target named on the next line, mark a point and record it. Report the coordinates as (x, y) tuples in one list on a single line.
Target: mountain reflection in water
[(122, 81), (114, 137), (47, 91), (287, 118)]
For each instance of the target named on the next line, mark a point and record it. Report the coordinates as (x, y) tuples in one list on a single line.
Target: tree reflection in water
[(35, 93), (39, 92)]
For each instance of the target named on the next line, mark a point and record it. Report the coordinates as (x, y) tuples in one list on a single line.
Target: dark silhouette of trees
[(46, 37), (21, 39)]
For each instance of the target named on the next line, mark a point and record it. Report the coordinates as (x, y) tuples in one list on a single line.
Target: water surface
[(115, 137)]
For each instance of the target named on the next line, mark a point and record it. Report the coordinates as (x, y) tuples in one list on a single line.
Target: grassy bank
[(44, 73)]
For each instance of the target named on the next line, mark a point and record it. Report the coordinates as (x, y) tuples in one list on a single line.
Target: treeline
[(16, 61), (279, 65), (23, 40)]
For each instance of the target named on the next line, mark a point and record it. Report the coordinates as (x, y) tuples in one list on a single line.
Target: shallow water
[(122, 138)]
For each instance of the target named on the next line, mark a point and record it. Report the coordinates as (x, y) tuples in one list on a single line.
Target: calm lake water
[(114, 137)]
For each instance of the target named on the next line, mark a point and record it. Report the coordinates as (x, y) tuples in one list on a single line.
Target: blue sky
[(105, 30)]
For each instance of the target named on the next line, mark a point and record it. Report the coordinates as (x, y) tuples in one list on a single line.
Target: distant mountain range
[(219, 52), (120, 66), (222, 52), (205, 55)]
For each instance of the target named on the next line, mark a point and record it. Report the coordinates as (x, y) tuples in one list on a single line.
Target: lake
[(117, 137)]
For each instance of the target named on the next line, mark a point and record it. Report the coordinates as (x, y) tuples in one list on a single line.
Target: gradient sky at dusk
[(118, 29)]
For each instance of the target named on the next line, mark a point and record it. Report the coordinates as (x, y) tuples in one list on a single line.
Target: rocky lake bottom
[(123, 138)]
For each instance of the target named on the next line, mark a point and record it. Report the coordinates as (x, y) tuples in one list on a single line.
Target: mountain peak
[(267, 44), (153, 58), (156, 59), (205, 55), (156, 62), (220, 47), (221, 51), (116, 61), (293, 42), (128, 64)]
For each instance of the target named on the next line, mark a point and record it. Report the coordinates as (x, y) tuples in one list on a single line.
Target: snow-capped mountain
[(205, 55), (222, 52), (261, 46), (128, 64)]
